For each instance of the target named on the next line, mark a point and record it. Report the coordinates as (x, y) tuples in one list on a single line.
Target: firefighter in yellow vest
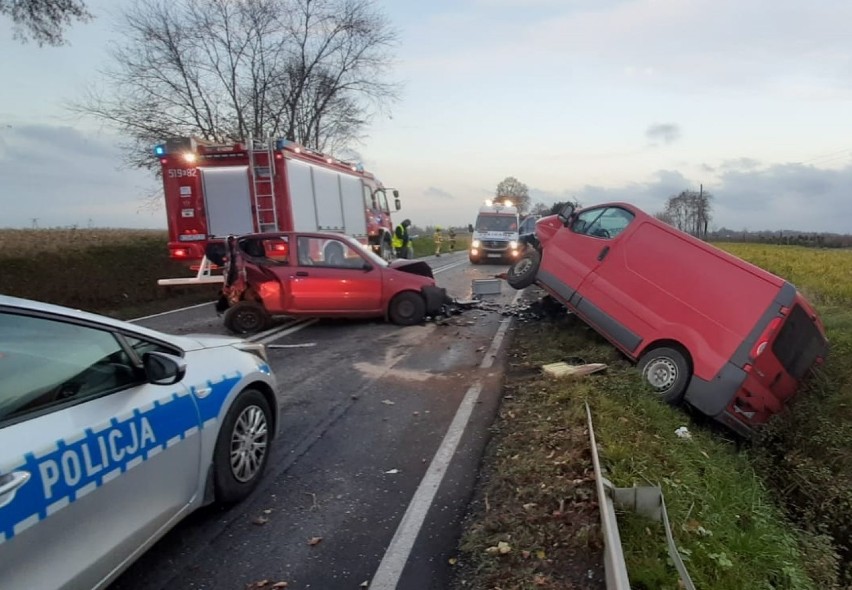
[(401, 241), (439, 238)]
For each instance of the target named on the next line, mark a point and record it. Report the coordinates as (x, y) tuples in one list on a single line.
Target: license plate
[(495, 256)]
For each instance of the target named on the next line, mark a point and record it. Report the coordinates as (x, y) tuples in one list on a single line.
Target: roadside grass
[(805, 455), (729, 530)]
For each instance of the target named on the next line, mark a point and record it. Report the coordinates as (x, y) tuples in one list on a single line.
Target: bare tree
[(313, 71), (44, 21), (689, 211), (512, 189)]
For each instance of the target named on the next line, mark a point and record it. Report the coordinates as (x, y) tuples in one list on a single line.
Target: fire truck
[(216, 190)]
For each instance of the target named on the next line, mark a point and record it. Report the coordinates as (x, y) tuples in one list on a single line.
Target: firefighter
[(439, 238), (401, 240), (452, 235)]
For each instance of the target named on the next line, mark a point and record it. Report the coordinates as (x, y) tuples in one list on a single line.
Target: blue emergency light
[(160, 150), (281, 143)]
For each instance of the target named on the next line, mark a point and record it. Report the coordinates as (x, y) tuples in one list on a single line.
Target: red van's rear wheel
[(667, 373)]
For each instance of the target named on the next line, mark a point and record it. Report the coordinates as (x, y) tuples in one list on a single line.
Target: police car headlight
[(475, 244), (255, 348)]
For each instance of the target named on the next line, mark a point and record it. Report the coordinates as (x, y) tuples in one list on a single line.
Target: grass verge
[(729, 529)]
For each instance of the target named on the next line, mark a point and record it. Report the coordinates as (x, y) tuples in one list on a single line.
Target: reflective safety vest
[(397, 241)]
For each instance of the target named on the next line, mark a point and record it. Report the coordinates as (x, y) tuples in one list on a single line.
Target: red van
[(729, 338)]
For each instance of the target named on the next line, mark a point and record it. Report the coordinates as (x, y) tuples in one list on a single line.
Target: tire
[(386, 249), (666, 372), (522, 274), (242, 448), (407, 309), (246, 317)]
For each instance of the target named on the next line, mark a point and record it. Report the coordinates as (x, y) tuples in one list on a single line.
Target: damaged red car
[(319, 275)]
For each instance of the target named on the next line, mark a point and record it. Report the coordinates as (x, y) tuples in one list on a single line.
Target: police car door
[(93, 459)]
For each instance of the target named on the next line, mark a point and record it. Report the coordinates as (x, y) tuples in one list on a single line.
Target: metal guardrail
[(646, 501)]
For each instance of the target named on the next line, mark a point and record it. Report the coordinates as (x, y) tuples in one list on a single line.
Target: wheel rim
[(248, 320), (248, 443), (405, 309), (661, 374), (522, 266)]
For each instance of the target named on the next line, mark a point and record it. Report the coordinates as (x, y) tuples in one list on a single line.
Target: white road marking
[(305, 345), (390, 569), (157, 315), (265, 337)]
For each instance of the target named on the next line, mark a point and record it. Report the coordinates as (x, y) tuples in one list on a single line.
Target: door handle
[(603, 253), (301, 273), (11, 482)]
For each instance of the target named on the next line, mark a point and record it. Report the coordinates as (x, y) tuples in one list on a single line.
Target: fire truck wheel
[(407, 309), (246, 317), (522, 274)]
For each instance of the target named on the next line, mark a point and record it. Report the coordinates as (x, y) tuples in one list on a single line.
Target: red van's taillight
[(179, 253), (764, 339)]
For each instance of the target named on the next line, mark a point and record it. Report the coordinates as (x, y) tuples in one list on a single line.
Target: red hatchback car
[(319, 275), (725, 336)]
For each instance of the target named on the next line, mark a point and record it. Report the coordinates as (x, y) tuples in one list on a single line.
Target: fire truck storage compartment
[(325, 200), (227, 199)]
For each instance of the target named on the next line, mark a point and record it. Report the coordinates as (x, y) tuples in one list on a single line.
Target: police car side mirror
[(470, 227), (397, 204), (162, 368)]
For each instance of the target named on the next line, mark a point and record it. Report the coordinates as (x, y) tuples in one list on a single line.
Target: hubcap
[(248, 443), (522, 265), (405, 309), (248, 320), (661, 373)]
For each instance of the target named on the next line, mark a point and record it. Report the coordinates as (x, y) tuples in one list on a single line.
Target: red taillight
[(279, 247), (179, 253), (764, 339), (164, 161)]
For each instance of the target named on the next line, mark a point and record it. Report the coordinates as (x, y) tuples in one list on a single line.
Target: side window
[(369, 198), (328, 253), (275, 250), (46, 362), (382, 198), (602, 223)]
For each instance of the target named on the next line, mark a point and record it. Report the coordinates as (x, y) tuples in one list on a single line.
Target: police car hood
[(192, 342)]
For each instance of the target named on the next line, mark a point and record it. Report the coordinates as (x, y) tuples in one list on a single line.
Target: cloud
[(435, 192), (665, 132), (63, 176)]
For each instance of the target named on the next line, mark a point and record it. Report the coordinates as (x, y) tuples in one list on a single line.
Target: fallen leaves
[(266, 584), (313, 541), (501, 548)]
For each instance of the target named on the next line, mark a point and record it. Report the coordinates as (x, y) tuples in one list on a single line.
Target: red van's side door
[(586, 259)]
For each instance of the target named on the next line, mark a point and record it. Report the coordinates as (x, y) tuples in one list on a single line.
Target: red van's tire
[(246, 317), (666, 371), (406, 309), (522, 274)]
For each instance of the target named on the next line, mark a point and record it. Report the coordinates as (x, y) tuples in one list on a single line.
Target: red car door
[(331, 276)]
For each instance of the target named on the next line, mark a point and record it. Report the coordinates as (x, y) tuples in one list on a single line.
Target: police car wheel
[(407, 309), (246, 317), (522, 274), (242, 449), (666, 373)]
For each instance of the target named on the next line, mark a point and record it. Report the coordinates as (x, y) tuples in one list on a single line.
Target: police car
[(111, 433)]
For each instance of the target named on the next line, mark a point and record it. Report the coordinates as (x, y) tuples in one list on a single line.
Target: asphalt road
[(382, 429)]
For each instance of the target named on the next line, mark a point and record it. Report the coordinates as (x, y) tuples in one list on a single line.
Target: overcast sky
[(599, 100)]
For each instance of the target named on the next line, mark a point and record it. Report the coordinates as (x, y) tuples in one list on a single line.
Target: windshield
[(497, 223)]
